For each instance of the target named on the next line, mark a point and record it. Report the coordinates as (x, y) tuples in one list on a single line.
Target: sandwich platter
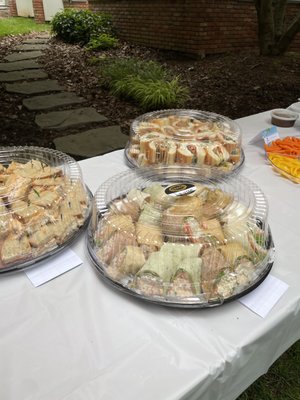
[(44, 205), (194, 138), (168, 236)]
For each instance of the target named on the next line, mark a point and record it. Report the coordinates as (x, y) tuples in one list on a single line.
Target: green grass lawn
[(19, 25), (282, 382)]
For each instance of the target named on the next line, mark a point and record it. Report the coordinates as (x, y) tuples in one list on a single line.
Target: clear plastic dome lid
[(185, 137), (169, 236), (43, 204)]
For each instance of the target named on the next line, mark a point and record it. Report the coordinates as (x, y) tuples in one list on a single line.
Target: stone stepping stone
[(34, 87), (25, 55), (31, 47), (22, 75), (36, 41), (42, 35), (93, 142), (68, 118), (51, 101), (19, 65)]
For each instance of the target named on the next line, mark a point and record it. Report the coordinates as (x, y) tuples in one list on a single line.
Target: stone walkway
[(22, 74)]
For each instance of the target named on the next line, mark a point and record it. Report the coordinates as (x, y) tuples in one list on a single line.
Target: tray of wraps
[(169, 236)]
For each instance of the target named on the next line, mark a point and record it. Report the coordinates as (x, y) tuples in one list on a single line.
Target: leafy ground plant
[(20, 25), (147, 83), (102, 42)]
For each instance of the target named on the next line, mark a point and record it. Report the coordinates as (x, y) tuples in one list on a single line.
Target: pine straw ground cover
[(234, 85)]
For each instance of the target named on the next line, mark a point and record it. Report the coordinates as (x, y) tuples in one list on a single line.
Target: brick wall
[(292, 10), (12, 8), (189, 26), (38, 9), (75, 4)]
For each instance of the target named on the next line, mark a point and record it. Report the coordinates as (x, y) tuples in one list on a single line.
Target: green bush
[(102, 42), (147, 83), (79, 26)]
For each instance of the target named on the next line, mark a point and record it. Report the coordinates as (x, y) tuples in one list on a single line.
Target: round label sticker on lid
[(180, 189)]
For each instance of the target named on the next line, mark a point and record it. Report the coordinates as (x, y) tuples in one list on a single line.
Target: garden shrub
[(104, 41), (113, 70), (147, 83), (79, 26)]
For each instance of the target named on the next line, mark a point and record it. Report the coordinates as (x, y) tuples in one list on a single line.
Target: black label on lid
[(180, 189)]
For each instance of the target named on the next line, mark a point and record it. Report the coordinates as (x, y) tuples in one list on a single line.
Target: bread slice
[(41, 237), (15, 249), (17, 187), (34, 169), (44, 198)]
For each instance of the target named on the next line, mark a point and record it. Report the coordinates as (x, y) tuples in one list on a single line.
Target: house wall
[(76, 4), (38, 7), (189, 26), (13, 8), (24, 8), (4, 9)]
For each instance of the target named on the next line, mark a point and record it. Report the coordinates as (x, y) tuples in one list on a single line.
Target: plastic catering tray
[(186, 137), (44, 205), (169, 236)]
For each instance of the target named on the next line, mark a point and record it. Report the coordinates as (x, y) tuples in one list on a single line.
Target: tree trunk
[(286, 39), (264, 9), (274, 37)]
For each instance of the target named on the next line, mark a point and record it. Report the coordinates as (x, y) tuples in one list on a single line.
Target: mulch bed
[(235, 85)]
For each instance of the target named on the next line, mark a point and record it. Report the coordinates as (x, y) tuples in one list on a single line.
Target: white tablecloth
[(75, 338)]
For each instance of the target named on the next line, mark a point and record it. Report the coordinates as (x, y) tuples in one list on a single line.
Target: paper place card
[(57, 265), (262, 299), (267, 135)]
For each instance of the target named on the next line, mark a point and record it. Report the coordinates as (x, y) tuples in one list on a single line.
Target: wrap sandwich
[(185, 281), (161, 151), (175, 217), (158, 196), (205, 232), (170, 263), (114, 245), (216, 154), (129, 261), (112, 223), (213, 264), (150, 235), (156, 273), (234, 253)]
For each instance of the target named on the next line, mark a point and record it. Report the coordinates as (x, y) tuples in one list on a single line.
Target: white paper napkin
[(262, 299), (49, 269)]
